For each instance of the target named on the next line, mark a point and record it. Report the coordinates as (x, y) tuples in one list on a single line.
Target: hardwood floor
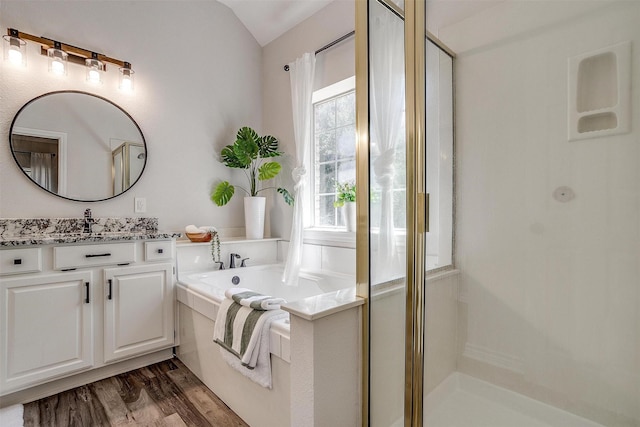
[(165, 394)]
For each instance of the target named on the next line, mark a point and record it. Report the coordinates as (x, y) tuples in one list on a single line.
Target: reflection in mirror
[(128, 161), (78, 146), (39, 154)]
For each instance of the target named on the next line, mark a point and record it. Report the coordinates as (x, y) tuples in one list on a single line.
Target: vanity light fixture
[(57, 59), (60, 54), (95, 67), (126, 78), (15, 49)]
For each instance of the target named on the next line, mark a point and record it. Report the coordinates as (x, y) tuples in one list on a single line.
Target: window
[(332, 159), (334, 149)]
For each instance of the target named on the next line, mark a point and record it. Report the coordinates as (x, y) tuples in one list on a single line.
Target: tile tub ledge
[(319, 306)]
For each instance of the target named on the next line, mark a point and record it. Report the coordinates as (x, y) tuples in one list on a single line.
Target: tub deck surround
[(314, 298), (319, 306), (193, 257), (46, 231), (318, 349)]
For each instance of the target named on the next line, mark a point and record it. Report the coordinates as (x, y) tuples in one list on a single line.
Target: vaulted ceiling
[(269, 19)]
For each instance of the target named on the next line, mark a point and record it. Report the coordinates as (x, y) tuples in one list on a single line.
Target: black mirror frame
[(95, 96)]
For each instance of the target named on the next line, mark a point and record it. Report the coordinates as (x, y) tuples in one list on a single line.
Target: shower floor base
[(464, 401)]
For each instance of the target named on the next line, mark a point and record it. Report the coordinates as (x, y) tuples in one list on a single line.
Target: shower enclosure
[(534, 319)]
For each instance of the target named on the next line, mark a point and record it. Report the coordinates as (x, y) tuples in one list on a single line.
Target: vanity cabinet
[(67, 309), (46, 328), (138, 310)]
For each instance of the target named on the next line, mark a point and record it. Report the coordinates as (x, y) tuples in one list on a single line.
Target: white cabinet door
[(46, 329), (139, 310)]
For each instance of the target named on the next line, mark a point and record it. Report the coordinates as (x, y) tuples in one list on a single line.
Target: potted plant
[(252, 153), (346, 199)]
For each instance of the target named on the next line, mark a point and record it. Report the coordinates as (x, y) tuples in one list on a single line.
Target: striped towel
[(249, 298), (244, 337)]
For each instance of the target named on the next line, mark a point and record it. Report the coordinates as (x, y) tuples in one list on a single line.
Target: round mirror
[(78, 146)]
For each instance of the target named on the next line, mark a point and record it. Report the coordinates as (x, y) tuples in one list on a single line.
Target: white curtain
[(42, 170), (387, 124), (301, 75)]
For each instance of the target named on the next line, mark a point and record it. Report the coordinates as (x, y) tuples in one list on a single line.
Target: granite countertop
[(61, 238), (48, 231)]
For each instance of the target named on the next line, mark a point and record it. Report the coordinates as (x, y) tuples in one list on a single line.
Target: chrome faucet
[(88, 221), (232, 260)]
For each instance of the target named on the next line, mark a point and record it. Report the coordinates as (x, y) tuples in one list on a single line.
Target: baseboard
[(492, 357)]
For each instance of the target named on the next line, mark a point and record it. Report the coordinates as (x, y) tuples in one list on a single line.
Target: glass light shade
[(126, 78), (57, 61), (15, 50), (94, 70)]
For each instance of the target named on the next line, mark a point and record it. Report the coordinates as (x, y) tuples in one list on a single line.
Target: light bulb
[(15, 50), (126, 83), (57, 59), (94, 67), (126, 78), (15, 55), (94, 76), (57, 67)]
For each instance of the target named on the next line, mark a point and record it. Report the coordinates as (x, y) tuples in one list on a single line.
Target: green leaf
[(268, 146), (245, 151), (269, 170), (230, 159), (288, 198), (338, 203), (223, 193), (246, 146), (247, 134)]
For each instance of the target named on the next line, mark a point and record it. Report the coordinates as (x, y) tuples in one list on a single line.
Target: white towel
[(249, 298), (244, 338)]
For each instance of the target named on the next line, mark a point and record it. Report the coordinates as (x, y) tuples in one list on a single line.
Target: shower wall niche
[(600, 92)]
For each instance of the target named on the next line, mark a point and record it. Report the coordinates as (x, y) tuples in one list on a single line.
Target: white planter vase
[(349, 215), (254, 217)]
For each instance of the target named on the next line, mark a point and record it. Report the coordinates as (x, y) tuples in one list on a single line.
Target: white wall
[(198, 79), (333, 65), (551, 289)]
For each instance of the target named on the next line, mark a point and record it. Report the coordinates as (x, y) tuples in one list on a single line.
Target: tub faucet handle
[(221, 265), (242, 264), (232, 260)]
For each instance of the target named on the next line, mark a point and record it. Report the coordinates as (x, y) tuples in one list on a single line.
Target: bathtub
[(322, 300), (264, 279)]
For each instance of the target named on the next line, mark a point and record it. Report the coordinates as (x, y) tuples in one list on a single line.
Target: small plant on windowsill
[(346, 199)]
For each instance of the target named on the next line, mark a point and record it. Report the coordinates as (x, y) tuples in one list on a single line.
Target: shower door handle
[(422, 204)]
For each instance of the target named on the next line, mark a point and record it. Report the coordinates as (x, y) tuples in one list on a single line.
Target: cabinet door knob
[(160, 251), (17, 261), (110, 295), (87, 300)]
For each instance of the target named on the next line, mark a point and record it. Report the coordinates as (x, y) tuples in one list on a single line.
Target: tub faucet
[(232, 260), (88, 221)]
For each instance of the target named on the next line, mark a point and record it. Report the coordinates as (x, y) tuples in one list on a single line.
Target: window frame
[(332, 236)]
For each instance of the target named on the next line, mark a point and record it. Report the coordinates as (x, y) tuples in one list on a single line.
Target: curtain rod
[(327, 46)]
